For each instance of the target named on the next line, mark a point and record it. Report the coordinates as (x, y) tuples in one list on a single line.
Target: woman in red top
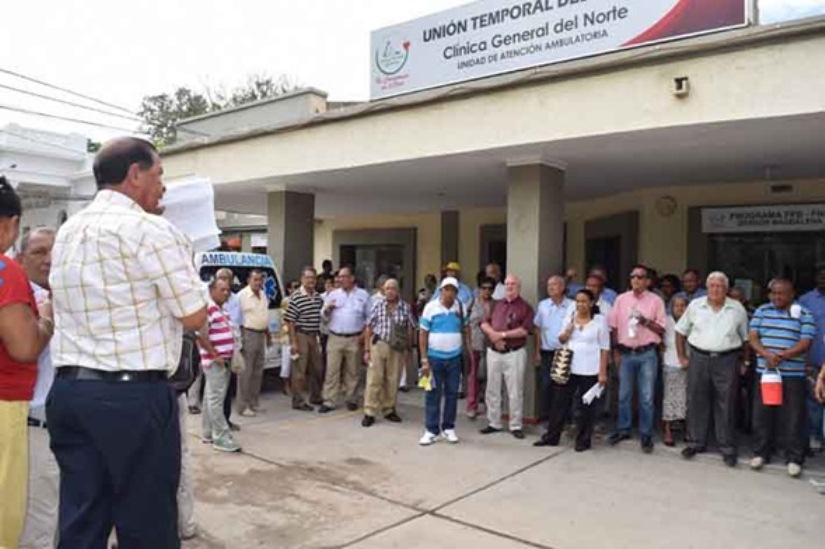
[(23, 335)]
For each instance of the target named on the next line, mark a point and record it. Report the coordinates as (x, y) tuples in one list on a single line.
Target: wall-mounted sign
[(757, 219), (496, 36)]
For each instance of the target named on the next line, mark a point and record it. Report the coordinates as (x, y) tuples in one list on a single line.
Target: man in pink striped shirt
[(217, 345), (637, 322)]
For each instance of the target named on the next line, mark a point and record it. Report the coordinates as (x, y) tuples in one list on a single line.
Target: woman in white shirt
[(674, 404), (588, 336)]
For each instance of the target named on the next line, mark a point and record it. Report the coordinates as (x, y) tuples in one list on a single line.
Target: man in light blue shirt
[(233, 305), (691, 286), (552, 316), (465, 294), (44, 476), (814, 301)]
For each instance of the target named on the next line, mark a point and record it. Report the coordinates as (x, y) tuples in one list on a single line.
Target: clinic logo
[(391, 57)]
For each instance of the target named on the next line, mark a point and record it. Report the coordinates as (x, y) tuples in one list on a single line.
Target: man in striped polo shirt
[(444, 336), (781, 333), (217, 344), (303, 318)]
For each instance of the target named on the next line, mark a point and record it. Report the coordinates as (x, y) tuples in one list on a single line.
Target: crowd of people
[(94, 319)]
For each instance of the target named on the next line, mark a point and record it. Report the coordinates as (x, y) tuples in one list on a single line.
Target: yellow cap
[(452, 266)]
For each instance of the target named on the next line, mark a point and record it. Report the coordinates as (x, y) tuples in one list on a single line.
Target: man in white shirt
[(256, 338), (124, 288), (346, 311), (44, 477), (595, 283)]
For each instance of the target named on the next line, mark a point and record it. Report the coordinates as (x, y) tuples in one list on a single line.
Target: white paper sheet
[(591, 395), (190, 206)]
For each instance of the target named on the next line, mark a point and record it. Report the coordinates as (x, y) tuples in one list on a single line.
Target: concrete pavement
[(306, 480)]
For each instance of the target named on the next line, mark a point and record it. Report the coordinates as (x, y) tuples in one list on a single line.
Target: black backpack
[(189, 366)]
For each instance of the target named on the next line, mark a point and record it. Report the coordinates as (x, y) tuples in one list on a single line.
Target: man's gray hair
[(718, 275), (223, 272), (391, 282), (214, 282), (26, 241), (558, 278)]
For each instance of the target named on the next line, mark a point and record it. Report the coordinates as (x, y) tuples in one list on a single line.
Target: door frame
[(406, 238)]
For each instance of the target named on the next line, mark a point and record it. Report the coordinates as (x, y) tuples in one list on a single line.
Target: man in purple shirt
[(507, 327)]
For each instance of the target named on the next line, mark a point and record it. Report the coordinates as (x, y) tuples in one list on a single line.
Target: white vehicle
[(241, 264)]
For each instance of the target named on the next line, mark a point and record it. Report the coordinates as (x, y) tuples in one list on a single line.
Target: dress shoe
[(690, 452), (647, 444), (489, 430), (617, 437), (194, 410), (324, 409), (351, 406), (303, 407), (234, 426), (316, 401), (367, 421), (393, 417), (730, 460), (545, 442), (404, 389), (518, 433), (583, 447), (461, 395)]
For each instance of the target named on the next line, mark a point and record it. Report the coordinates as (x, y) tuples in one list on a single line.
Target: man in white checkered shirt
[(124, 287)]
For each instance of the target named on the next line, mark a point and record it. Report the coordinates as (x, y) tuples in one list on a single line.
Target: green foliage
[(161, 113)]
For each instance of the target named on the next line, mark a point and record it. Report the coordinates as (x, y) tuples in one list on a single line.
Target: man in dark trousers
[(124, 288)]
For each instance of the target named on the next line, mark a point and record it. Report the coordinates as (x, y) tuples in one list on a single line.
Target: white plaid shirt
[(120, 279)]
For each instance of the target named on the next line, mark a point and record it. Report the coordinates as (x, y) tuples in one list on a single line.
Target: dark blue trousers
[(118, 449)]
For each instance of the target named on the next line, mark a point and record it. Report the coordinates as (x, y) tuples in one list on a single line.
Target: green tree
[(162, 112)]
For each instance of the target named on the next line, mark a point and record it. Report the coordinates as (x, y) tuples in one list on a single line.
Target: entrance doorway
[(613, 242), (493, 246), (751, 260), (373, 253)]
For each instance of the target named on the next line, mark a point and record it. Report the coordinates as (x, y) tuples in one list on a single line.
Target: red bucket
[(772, 388)]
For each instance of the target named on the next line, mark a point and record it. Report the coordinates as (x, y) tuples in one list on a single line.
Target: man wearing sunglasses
[(637, 322)]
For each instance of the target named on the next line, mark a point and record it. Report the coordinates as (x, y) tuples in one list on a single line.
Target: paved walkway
[(306, 480)]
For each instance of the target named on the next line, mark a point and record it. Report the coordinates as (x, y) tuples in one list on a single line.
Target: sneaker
[(249, 412), (206, 440), (226, 446), (757, 463), (450, 435), (794, 469), (428, 439), (472, 414)]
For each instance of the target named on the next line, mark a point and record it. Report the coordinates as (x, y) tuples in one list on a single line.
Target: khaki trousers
[(306, 371), (382, 379), (510, 367), (250, 380), (186, 488), (343, 363), (40, 530), (14, 465)]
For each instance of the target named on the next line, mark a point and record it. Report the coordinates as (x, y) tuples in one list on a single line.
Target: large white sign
[(757, 219), (495, 36)]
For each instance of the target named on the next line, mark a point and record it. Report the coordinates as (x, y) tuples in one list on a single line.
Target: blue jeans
[(446, 378), (639, 368)]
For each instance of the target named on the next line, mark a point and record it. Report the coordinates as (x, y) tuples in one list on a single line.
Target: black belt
[(36, 423), (507, 350), (354, 334), (80, 373), (713, 354), (637, 350), (254, 331)]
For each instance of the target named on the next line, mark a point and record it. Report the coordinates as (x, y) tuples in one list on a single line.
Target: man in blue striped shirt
[(444, 337), (781, 333)]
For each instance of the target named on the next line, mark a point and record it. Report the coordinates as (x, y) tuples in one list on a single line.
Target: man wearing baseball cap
[(465, 294), (443, 338)]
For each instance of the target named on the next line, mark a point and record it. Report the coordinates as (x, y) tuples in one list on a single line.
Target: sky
[(117, 54)]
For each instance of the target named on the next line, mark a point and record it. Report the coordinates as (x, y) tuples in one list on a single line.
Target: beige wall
[(662, 240), (757, 80)]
